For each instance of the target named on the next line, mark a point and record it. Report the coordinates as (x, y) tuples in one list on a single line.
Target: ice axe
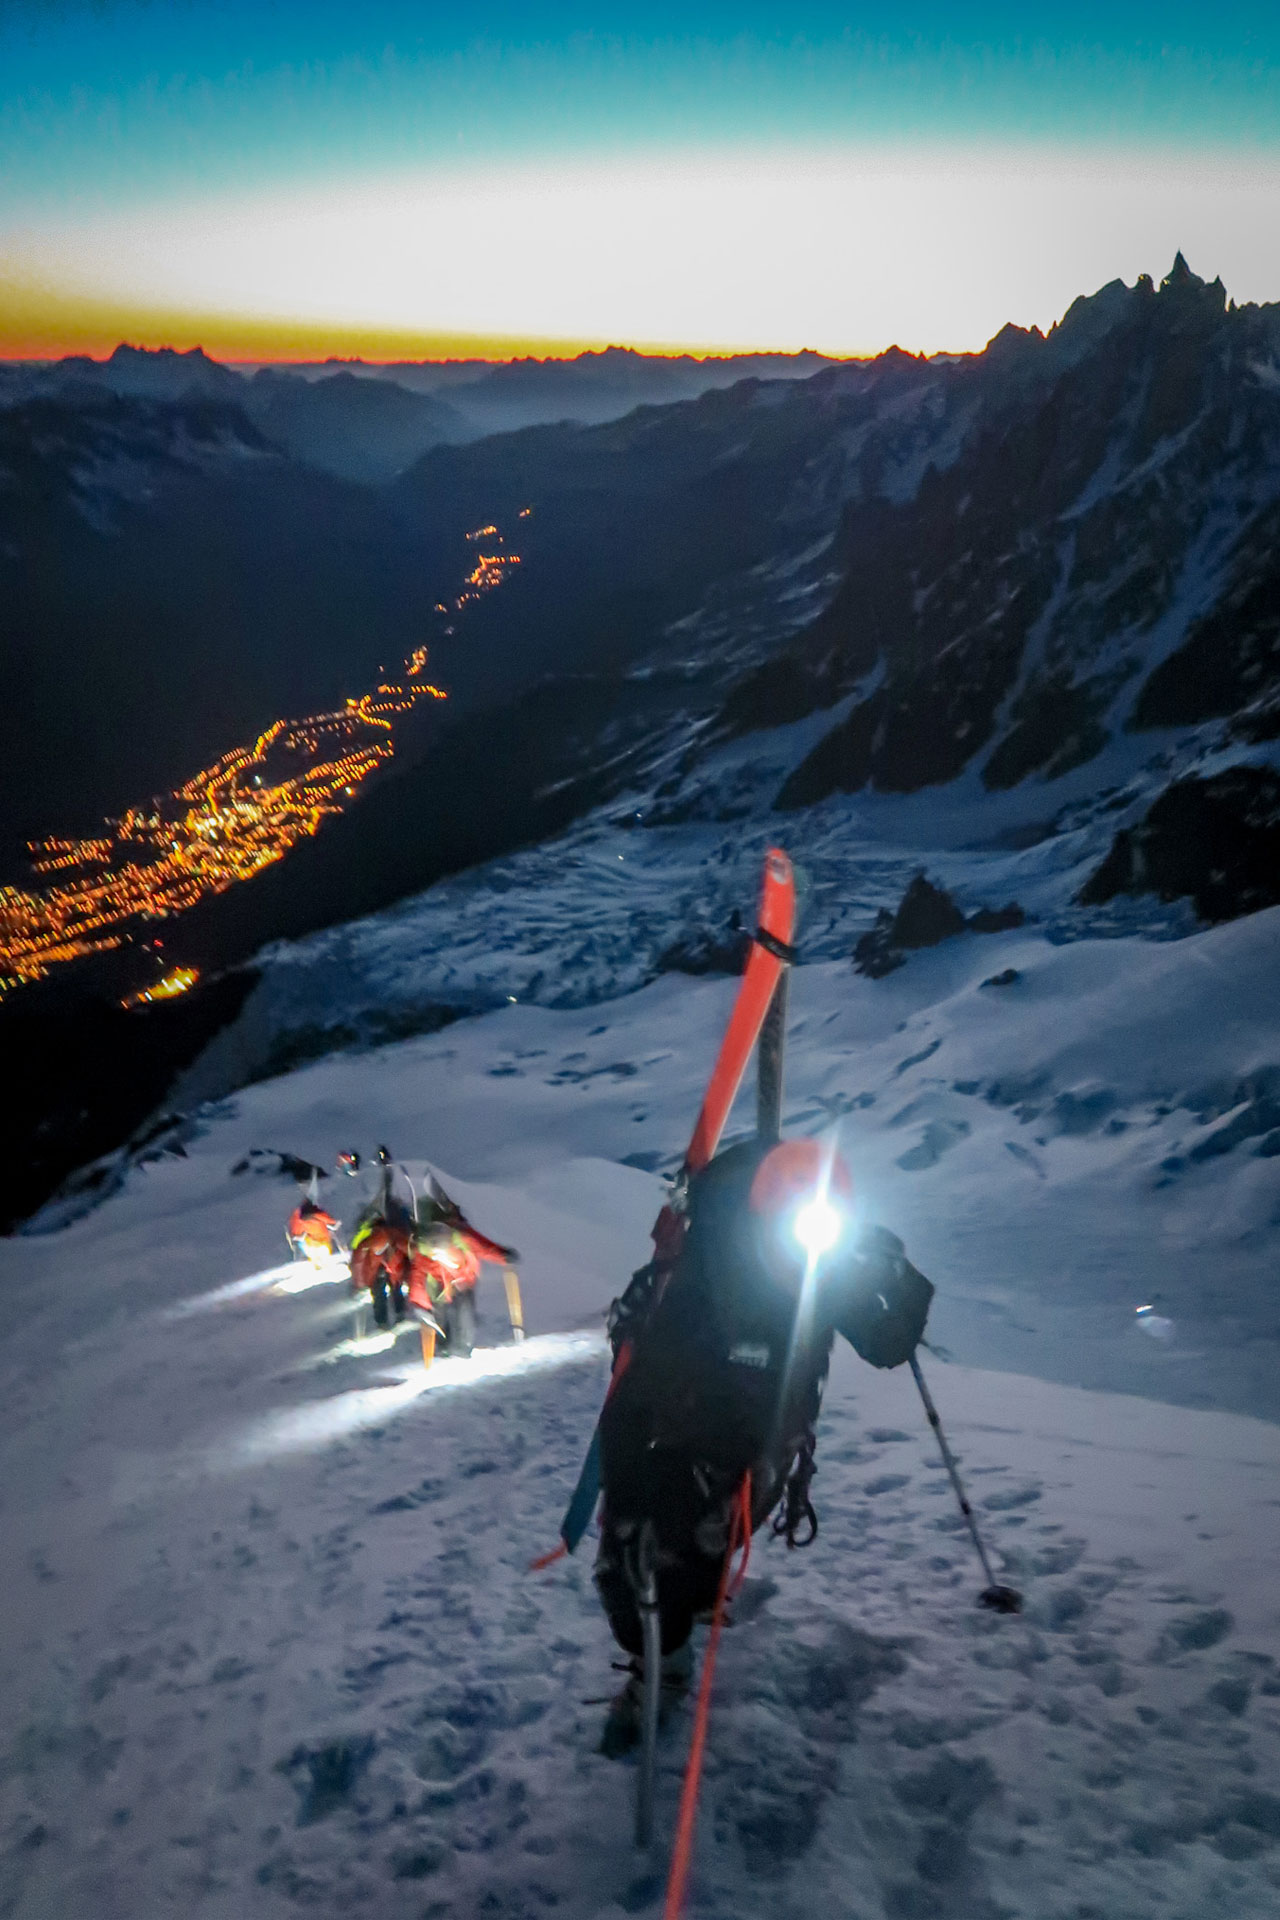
[(515, 1306), (1000, 1599)]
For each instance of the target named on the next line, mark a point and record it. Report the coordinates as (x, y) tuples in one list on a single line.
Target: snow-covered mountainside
[(821, 611), (170, 582), (1148, 439), (270, 1642), (1033, 571), (1100, 559)]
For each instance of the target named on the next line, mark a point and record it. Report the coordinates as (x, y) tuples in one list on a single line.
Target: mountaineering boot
[(623, 1723)]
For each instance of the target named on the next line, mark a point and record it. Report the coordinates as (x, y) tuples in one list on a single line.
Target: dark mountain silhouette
[(1215, 842), (369, 423), (594, 387), (1097, 558), (367, 430)]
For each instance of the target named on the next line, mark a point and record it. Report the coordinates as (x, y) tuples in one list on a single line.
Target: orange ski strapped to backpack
[(771, 954)]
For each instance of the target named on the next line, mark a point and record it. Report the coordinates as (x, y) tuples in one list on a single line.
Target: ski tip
[(777, 865)]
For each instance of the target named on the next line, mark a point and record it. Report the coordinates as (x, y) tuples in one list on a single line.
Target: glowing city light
[(167, 989), (224, 825)]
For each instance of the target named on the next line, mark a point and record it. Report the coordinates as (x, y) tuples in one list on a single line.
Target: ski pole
[(1000, 1599)]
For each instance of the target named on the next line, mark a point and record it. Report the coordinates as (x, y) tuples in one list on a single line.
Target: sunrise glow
[(391, 182), (844, 251)]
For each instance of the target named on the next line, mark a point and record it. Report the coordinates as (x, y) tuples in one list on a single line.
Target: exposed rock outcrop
[(926, 915), (1216, 842), (1097, 552)]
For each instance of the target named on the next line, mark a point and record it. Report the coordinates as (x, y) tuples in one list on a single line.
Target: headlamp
[(817, 1225)]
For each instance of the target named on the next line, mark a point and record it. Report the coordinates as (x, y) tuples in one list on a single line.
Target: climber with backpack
[(445, 1256), (312, 1233), (421, 1262), (721, 1347), (380, 1240), (710, 1425)]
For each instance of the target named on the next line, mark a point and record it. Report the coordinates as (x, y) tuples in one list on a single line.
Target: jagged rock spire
[(1179, 276)]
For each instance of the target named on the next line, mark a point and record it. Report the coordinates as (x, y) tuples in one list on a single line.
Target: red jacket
[(444, 1271), (385, 1247)]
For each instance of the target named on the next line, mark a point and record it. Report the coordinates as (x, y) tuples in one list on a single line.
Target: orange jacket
[(308, 1222)]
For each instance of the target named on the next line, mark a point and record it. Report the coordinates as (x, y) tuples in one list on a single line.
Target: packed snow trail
[(270, 1645), (315, 1673)]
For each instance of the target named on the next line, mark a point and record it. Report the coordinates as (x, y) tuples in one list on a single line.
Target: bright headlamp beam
[(817, 1226), (317, 1424)]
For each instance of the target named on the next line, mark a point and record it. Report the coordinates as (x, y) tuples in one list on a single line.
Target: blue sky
[(148, 105), (148, 96)]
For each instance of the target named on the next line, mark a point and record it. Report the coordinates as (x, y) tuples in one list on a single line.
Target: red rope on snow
[(730, 1585), (549, 1559)]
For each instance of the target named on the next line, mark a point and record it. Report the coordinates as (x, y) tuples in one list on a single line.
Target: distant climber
[(445, 1258), (424, 1260), (312, 1233)]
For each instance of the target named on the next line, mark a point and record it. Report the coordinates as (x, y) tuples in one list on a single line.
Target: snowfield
[(270, 1644)]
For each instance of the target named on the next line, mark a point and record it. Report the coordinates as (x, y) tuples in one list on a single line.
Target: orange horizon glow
[(46, 324), (846, 251)]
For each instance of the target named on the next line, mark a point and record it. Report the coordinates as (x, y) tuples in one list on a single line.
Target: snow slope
[(270, 1644)]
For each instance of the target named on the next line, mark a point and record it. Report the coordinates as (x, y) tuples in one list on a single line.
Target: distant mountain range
[(188, 552), (369, 423), (1005, 559), (1007, 583)]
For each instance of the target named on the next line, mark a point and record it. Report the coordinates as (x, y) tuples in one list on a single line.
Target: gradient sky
[(299, 179)]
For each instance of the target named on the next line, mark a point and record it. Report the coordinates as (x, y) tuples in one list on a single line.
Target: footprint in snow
[(1193, 1633), (451, 1749), (1026, 1156), (1232, 1693), (937, 1138), (752, 1599), (916, 1732), (943, 1799), (325, 1777), (1011, 1497), (1059, 1611), (794, 1726), (419, 1496)]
